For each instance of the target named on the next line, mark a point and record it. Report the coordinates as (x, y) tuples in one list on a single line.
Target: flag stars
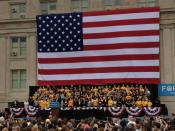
[(60, 33), (39, 18), (71, 48)]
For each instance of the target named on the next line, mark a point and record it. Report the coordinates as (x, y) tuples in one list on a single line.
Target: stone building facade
[(18, 40)]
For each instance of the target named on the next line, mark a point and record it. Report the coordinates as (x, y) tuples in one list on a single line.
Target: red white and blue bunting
[(152, 111), (31, 110), (16, 111), (116, 111), (134, 111)]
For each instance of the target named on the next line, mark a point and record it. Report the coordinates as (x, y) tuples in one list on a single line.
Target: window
[(18, 79), (18, 46), (80, 5), (112, 3), (147, 3), (48, 7), (18, 10)]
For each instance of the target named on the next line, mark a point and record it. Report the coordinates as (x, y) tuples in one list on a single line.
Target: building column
[(167, 60), (3, 61), (167, 53), (31, 61)]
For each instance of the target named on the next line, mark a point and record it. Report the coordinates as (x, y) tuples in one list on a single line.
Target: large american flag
[(112, 46)]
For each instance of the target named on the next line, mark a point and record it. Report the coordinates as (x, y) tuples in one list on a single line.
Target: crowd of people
[(92, 96), (52, 123)]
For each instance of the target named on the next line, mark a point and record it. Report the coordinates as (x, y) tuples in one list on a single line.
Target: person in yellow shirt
[(138, 103), (149, 103), (110, 102), (95, 102)]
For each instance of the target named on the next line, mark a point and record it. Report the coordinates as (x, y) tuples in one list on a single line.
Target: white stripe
[(127, 63), (121, 40), (121, 16), (99, 53), (100, 76), (137, 27)]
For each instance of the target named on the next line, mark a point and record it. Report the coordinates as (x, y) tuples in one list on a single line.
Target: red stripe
[(99, 58), (101, 81), (120, 34), (99, 70), (121, 22), (122, 11), (121, 46)]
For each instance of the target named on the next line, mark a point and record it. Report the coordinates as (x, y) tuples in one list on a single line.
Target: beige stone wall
[(27, 27)]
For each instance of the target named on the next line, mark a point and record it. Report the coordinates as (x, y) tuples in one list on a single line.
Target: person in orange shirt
[(70, 103)]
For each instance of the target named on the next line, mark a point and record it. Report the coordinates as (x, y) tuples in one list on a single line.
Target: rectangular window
[(48, 7), (18, 46), (18, 79), (80, 5), (112, 3), (148, 3), (18, 10)]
